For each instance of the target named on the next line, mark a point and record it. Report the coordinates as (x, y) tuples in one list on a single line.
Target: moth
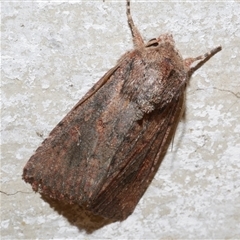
[(105, 152)]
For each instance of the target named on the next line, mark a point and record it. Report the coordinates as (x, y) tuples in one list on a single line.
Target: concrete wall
[(53, 52)]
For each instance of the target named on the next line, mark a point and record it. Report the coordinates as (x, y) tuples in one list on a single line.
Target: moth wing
[(142, 156), (72, 163), (102, 155)]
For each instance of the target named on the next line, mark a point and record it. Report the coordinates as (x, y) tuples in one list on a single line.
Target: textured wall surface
[(52, 53)]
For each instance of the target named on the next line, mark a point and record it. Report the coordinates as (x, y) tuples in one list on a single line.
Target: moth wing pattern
[(108, 159), (141, 158)]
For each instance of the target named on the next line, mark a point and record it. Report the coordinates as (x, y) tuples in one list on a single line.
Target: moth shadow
[(77, 216)]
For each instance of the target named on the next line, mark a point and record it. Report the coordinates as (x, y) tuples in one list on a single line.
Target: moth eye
[(152, 43)]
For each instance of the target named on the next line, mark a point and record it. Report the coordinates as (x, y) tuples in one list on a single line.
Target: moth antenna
[(204, 58), (137, 38)]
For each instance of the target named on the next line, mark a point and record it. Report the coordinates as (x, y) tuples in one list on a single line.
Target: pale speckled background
[(53, 52)]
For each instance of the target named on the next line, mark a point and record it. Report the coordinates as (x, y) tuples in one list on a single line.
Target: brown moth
[(105, 152)]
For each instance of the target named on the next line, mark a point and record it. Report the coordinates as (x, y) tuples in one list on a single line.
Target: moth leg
[(137, 38), (204, 58)]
